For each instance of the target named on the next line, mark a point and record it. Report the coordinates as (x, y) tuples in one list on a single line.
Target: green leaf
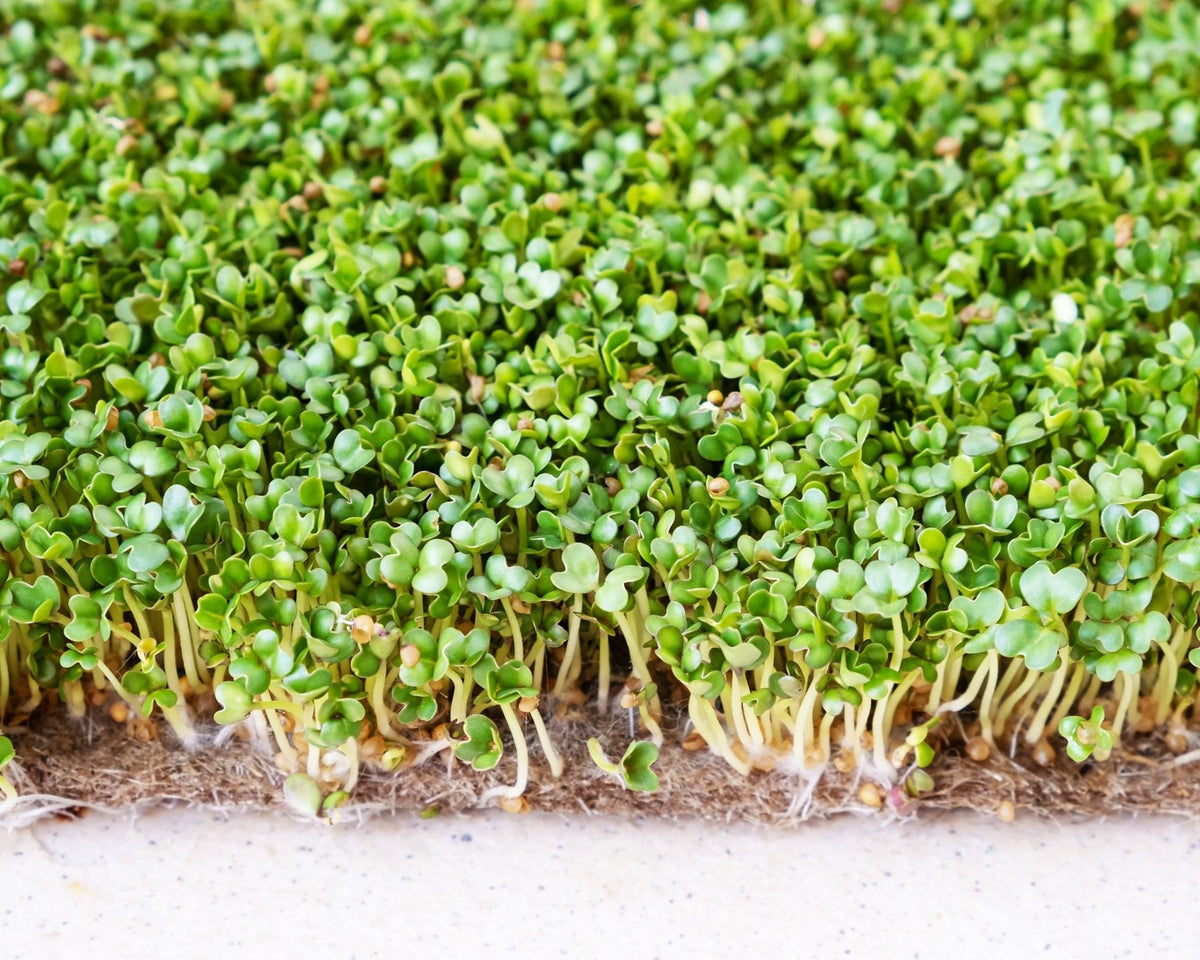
[(581, 570)]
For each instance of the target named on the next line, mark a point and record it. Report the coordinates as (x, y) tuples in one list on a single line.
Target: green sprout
[(635, 766)]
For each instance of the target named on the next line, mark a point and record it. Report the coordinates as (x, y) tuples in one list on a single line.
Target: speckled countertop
[(179, 884)]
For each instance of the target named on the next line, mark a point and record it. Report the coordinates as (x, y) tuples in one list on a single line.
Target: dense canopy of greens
[(391, 369)]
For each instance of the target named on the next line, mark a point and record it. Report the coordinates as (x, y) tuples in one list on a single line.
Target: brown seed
[(693, 742), (478, 386), (1176, 742), (527, 704), (1006, 811), (143, 730), (703, 303), (891, 6), (97, 698), (298, 203), (612, 486), (654, 128), (718, 486), (378, 185), (1053, 483), (313, 191), (519, 605), (152, 419), (157, 359), (408, 259), (362, 34), (870, 795), (903, 715), (208, 413), (843, 762), (270, 84), (372, 748), (286, 762), (947, 147), (41, 101), (17, 267), (410, 655), (95, 32), (575, 697), (715, 397), (514, 805), (732, 402), (1043, 753), (999, 487), (555, 50), (524, 423), (628, 701), (321, 84), (363, 629), (978, 749), (552, 202), (1123, 230), (112, 418), (20, 480), (816, 38), (455, 278), (764, 762)]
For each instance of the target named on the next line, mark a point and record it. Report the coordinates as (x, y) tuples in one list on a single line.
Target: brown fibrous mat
[(66, 766)]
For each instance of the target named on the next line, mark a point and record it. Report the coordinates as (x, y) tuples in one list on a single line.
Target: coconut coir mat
[(66, 766)]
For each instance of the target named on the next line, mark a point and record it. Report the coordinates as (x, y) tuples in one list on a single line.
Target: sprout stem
[(124, 694), (804, 730), (1068, 698), (187, 642), (169, 664), (985, 704), (637, 657), (73, 697), (135, 610), (376, 686), (1128, 691), (708, 725), (514, 626), (655, 731), (1006, 707), (553, 757), (604, 678), (522, 535), (1164, 688), (986, 670), (522, 748), (1034, 733), (285, 746), (179, 723), (568, 659)]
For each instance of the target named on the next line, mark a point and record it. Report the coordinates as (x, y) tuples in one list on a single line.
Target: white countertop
[(180, 884)]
